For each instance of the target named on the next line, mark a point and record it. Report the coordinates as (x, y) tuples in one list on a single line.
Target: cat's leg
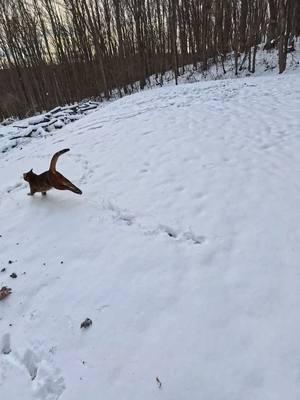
[(68, 185), (32, 191)]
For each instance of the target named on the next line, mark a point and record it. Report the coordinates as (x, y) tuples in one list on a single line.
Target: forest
[(55, 52)]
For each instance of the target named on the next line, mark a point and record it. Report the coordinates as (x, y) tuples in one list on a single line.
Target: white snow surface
[(183, 250)]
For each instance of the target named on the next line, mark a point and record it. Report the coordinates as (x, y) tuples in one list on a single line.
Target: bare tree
[(60, 51)]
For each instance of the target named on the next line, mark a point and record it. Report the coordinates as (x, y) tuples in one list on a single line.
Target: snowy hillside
[(183, 250), (16, 133)]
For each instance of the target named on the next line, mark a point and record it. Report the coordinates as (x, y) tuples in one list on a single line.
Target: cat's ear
[(31, 170)]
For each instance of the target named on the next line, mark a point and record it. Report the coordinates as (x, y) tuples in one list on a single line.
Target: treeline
[(54, 52)]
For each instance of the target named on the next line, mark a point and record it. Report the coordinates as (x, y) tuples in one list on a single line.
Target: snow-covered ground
[(266, 64), (183, 250), (15, 133)]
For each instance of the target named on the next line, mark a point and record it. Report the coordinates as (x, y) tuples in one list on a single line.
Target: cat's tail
[(55, 158)]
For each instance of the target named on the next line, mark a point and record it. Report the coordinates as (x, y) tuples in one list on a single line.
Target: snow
[(183, 249), (16, 133), (266, 65)]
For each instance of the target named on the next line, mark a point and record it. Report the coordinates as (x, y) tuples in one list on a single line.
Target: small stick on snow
[(159, 382)]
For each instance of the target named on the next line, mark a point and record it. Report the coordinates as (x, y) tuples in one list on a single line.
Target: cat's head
[(28, 175)]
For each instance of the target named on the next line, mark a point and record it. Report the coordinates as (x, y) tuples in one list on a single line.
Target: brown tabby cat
[(49, 179)]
